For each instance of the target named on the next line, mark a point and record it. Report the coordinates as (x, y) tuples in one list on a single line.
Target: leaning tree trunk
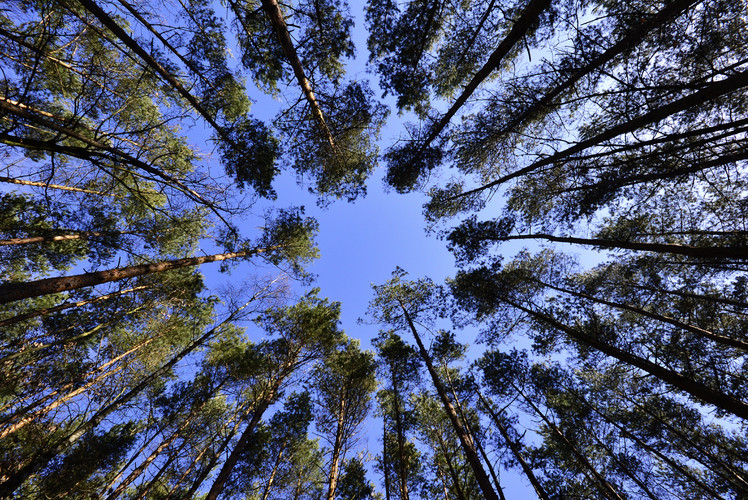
[(10, 292), (468, 446)]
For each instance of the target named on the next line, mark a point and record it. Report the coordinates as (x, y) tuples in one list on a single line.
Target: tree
[(398, 303), (399, 367), (344, 384)]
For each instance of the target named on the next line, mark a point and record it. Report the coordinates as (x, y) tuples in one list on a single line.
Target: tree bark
[(10, 292), (713, 91), (43, 457), (275, 16), (696, 389), (532, 11), (606, 486), (467, 443), (665, 319), (539, 490), (68, 305), (725, 252)]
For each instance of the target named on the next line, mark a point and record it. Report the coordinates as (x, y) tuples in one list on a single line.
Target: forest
[(163, 331)]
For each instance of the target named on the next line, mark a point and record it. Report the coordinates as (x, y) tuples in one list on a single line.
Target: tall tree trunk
[(10, 292), (539, 490), (715, 252), (665, 319), (337, 450), (475, 438), (467, 443), (275, 16), (385, 461), (607, 488), (714, 91), (269, 484), (81, 235), (696, 389), (249, 430), (68, 305), (402, 473), (46, 185), (630, 40), (528, 17), (654, 451)]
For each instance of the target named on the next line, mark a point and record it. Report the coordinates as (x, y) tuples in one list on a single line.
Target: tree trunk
[(722, 252), (539, 490), (713, 91), (530, 14), (68, 305), (82, 235), (606, 486), (385, 460), (55, 186), (696, 389), (275, 16), (10, 292), (337, 449), (665, 319), (632, 39), (42, 458), (402, 472), (248, 433), (467, 443)]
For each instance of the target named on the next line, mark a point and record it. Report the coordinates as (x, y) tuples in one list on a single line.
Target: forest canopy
[(582, 160)]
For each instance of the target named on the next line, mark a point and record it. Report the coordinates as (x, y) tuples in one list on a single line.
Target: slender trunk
[(275, 16), (696, 389), (68, 340), (612, 454), (714, 91), (68, 305), (248, 433), (475, 438), (144, 490), (521, 27), (46, 185), (269, 484), (607, 488), (402, 473), (650, 449), (161, 447), (337, 450), (67, 397), (450, 467), (237, 418), (708, 459), (133, 457), (539, 490), (467, 443), (97, 148), (10, 292), (665, 319), (440, 473), (385, 460), (716, 252), (82, 235), (685, 295), (119, 32), (630, 40)]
